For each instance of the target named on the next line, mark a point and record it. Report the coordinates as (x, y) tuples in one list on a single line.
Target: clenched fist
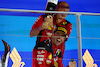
[(48, 22), (72, 64), (55, 64)]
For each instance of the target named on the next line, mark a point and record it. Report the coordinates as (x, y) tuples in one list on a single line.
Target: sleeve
[(69, 29), (38, 22)]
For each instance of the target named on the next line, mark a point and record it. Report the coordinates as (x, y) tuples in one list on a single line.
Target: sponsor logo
[(62, 29), (88, 59), (40, 58), (48, 61), (64, 23), (49, 34), (16, 58), (40, 52)]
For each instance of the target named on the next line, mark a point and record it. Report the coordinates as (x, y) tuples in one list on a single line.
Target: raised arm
[(40, 24)]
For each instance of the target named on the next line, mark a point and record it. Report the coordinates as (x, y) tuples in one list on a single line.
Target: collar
[(54, 21)]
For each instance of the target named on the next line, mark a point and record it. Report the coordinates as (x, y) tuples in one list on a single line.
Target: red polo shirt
[(43, 35)]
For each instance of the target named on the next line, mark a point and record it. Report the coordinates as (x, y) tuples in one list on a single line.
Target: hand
[(55, 64), (48, 22), (72, 64), (45, 25)]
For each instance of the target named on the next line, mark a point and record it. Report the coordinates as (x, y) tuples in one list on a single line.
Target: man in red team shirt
[(43, 28), (58, 49), (56, 40), (40, 26)]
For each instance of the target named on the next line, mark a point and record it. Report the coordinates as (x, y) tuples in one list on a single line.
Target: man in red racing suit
[(49, 53), (57, 41)]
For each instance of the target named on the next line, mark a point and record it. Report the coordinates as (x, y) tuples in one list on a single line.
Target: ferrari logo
[(88, 59), (50, 56), (15, 57)]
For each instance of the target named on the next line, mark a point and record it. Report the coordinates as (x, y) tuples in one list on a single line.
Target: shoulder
[(66, 22), (39, 19)]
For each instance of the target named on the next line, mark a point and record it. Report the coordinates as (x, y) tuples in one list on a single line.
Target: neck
[(58, 20)]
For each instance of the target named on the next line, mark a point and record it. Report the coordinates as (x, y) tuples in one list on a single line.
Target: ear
[(66, 39)]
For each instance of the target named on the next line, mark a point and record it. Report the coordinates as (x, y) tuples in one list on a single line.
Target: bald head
[(62, 5)]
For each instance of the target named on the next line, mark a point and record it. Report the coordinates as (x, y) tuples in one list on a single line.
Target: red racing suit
[(42, 54), (58, 52), (43, 35)]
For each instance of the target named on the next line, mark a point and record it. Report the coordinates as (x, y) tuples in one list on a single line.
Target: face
[(58, 38), (62, 7)]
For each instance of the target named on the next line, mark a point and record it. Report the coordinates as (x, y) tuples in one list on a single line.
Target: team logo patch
[(50, 56), (64, 23), (49, 34)]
